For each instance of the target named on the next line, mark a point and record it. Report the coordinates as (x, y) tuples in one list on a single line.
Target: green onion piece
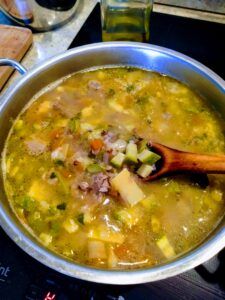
[(142, 145), (144, 170), (94, 168), (130, 88), (61, 206), (147, 156), (55, 227), (27, 203), (118, 160), (63, 183), (59, 162), (74, 123), (131, 152), (111, 92), (165, 246), (53, 175), (80, 218)]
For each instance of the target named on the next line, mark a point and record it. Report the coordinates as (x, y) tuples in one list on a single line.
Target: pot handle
[(13, 63)]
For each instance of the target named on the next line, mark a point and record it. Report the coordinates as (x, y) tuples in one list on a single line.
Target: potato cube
[(128, 189)]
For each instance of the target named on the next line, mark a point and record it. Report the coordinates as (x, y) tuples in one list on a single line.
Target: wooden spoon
[(175, 161)]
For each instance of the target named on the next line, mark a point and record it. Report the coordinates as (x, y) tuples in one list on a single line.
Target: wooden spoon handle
[(200, 163)]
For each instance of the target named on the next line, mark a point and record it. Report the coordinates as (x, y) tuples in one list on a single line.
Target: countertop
[(48, 44)]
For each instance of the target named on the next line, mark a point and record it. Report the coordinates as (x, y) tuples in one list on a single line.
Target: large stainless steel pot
[(166, 61)]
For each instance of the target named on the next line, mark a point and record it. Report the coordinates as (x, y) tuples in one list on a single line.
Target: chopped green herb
[(80, 218), (62, 206), (37, 224), (174, 187), (94, 168), (74, 123), (59, 162), (52, 210), (55, 227), (142, 145), (142, 100), (63, 182), (27, 203), (111, 93), (130, 88), (53, 175)]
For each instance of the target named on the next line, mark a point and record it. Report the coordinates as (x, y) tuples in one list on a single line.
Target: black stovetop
[(21, 277)]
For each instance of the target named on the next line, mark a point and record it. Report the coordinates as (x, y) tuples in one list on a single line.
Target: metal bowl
[(198, 77)]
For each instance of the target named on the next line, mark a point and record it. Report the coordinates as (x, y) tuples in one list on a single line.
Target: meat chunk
[(106, 157), (60, 153), (36, 146), (95, 90), (66, 108), (69, 104), (108, 138), (100, 183), (84, 186), (94, 85)]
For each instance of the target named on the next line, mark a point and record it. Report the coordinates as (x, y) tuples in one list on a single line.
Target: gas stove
[(22, 277)]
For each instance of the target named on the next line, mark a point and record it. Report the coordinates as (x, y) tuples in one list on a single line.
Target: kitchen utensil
[(40, 15), (175, 161)]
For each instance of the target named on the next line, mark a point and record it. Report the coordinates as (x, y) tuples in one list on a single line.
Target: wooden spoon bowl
[(174, 161)]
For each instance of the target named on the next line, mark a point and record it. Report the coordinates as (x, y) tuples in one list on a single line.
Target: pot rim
[(191, 259)]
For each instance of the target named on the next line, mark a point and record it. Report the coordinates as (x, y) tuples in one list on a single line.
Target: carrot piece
[(121, 251), (96, 144), (56, 133), (65, 173), (56, 143)]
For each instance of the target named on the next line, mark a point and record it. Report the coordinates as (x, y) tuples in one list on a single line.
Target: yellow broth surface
[(62, 183)]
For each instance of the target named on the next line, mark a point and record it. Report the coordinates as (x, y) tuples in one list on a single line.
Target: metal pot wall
[(198, 77)]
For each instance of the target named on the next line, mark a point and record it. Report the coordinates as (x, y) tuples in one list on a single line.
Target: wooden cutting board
[(14, 43)]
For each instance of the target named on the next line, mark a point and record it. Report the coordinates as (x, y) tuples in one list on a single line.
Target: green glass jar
[(126, 20)]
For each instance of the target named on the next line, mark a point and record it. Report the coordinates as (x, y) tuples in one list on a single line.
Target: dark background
[(201, 40)]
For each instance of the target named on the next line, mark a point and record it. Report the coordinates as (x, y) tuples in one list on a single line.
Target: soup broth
[(75, 157)]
